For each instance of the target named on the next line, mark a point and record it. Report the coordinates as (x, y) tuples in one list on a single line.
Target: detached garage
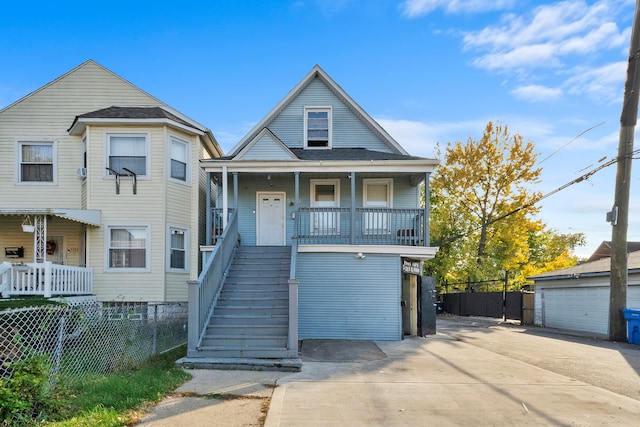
[(577, 298)]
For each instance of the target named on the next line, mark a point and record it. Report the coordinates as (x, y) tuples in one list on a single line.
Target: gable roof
[(318, 73), (604, 250), (281, 152), (87, 63), (600, 267)]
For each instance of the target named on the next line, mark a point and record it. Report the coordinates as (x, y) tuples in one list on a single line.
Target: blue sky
[(430, 71)]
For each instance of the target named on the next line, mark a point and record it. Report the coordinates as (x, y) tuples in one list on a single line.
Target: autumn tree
[(483, 211)]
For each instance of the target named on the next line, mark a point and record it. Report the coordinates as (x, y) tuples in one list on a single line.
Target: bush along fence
[(89, 339)]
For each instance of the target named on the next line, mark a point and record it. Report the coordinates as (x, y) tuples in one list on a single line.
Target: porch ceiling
[(84, 216)]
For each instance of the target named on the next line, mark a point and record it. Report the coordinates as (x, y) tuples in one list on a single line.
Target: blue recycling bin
[(632, 316)]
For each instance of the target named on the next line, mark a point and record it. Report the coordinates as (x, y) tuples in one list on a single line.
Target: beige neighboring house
[(101, 192)]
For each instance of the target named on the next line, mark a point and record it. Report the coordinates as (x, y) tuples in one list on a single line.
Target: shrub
[(26, 395)]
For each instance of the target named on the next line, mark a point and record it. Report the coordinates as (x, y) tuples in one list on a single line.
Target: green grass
[(118, 399), (26, 302)]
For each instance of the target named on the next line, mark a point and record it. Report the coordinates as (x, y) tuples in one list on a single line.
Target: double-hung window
[(128, 247), (178, 241), (127, 151), (179, 155), (317, 127), (37, 162)]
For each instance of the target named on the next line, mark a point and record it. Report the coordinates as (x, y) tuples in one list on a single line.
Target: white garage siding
[(577, 309), (342, 297), (579, 304)]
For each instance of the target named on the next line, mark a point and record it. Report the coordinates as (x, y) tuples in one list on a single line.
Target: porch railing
[(48, 279), (217, 223), (204, 292), (372, 226)]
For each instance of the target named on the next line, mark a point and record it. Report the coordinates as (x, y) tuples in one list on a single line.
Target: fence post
[(57, 354), (154, 344)]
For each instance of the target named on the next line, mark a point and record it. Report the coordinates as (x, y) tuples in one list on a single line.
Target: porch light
[(360, 255), (27, 225)]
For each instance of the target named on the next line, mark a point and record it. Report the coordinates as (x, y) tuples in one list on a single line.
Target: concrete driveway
[(474, 372)]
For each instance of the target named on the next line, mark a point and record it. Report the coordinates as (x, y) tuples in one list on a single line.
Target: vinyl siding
[(348, 129), (341, 297), (47, 114), (266, 149)]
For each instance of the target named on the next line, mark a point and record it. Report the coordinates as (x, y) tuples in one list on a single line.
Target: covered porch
[(43, 252)]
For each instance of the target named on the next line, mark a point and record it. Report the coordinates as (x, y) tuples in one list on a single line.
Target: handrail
[(204, 292)]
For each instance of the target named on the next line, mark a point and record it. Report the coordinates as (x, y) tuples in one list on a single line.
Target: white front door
[(270, 221)]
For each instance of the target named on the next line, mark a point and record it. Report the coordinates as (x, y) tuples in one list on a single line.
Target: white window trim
[(185, 230), (107, 242), (374, 181), (188, 145), (377, 218), (36, 141), (107, 146), (329, 109), (315, 217)]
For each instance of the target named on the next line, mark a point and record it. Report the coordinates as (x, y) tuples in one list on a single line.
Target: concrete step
[(262, 352), (289, 363)]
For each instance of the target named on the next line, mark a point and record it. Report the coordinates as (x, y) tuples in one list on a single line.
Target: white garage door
[(578, 309)]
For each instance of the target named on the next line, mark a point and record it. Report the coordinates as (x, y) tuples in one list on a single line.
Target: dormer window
[(317, 127)]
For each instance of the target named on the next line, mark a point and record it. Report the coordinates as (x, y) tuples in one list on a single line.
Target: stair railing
[(204, 292)]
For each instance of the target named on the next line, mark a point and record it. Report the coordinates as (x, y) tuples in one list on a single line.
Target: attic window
[(317, 127)]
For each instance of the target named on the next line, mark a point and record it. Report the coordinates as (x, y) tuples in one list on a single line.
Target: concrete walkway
[(474, 372)]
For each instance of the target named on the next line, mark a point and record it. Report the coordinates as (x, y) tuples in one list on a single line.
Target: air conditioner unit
[(81, 172)]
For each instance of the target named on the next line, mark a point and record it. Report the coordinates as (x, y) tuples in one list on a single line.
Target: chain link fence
[(90, 338)]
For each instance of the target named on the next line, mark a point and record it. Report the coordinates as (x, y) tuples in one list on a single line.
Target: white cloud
[(537, 93), (604, 83), (416, 8), (547, 37)]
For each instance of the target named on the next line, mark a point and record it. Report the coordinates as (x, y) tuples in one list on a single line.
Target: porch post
[(39, 238), (353, 209), (193, 322), (235, 190), (427, 196), (225, 197), (296, 201), (209, 234)]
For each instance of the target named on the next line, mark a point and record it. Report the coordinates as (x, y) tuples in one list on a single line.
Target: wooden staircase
[(250, 323)]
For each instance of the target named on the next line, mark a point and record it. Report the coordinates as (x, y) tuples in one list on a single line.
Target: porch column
[(353, 209), (296, 201), (40, 238), (225, 197), (209, 234), (427, 203), (235, 190)]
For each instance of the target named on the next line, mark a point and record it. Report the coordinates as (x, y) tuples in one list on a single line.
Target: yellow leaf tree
[(483, 212)]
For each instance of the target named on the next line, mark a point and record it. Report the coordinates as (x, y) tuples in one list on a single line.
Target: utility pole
[(619, 216)]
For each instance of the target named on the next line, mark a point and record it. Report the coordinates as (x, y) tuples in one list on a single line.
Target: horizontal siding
[(47, 114), (266, 149), (341, 297), (348, 129)]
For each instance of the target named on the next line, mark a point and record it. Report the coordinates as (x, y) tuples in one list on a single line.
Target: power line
[(534, 201), (570, 141)]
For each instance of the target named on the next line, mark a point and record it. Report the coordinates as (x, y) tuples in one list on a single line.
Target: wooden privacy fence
[(519, 305)]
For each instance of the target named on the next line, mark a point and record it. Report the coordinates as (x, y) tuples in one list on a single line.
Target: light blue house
[(317, 231)]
